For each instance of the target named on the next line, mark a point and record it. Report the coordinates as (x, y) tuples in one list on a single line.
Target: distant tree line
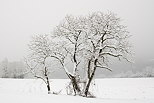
[(16, 69), (146, 72)]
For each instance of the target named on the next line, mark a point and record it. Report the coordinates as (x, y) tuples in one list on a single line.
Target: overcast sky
[(20, 19)]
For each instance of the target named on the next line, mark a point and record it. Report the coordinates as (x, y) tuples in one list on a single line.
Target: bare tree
[(37, 61), (42, 49), (107, 39), (71, 30)]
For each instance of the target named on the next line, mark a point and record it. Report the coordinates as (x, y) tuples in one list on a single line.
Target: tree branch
[(70, 40), (39, 77), (107, 46), (104, 67), (113, 55)]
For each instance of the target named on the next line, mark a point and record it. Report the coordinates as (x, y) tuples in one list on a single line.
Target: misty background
[(20, 19)]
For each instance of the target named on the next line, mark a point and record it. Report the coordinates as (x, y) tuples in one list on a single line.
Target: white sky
[(19, 19)]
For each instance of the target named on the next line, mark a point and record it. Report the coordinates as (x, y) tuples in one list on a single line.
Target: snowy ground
[(124, 90)]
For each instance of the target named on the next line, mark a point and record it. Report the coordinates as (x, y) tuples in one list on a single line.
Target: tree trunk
[(75, 85), (48, 83), (90, 79)]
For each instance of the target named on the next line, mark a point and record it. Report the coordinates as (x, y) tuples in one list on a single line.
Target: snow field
[(111, 90)]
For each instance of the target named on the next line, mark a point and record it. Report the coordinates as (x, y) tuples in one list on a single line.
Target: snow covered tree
[(37, 61), (77, 43), (71, 32), (108, 39)]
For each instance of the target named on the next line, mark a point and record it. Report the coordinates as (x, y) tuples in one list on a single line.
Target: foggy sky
[(20, 19)]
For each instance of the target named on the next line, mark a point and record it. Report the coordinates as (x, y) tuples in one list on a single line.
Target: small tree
[(37, 61)]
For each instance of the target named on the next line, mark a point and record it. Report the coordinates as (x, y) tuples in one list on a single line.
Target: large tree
[(94, 40), (108, 39)]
